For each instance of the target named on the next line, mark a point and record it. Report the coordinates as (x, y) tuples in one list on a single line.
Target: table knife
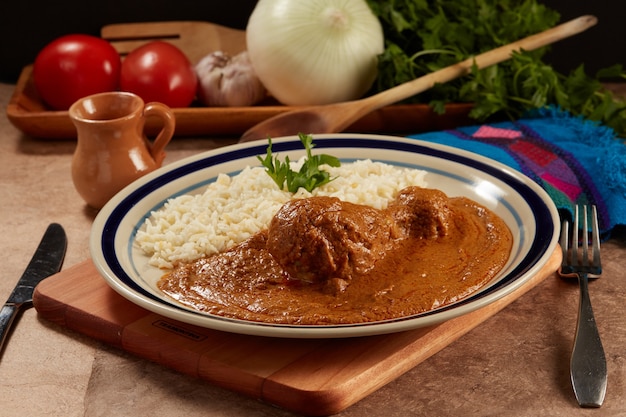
[(46, 261)]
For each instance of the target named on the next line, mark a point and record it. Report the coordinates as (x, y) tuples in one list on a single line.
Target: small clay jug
[(112, 148)]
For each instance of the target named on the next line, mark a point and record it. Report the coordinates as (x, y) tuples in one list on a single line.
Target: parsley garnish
[(309, 177)]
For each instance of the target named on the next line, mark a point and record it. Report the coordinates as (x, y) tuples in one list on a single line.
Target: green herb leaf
[(309, 177)]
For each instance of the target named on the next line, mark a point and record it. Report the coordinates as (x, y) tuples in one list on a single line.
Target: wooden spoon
[(333, 118)]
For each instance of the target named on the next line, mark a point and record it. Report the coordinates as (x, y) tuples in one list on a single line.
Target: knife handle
[(7, 315)]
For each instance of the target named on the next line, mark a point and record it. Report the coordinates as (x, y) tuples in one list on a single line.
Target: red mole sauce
[(324, 261)]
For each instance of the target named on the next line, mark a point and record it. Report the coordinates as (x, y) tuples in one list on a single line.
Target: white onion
[(314, 51)]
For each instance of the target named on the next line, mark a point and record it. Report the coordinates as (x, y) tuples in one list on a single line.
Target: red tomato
[(75, 66), (159, 71)]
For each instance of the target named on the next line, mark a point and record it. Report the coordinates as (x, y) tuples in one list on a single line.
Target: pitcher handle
[(166, 133)]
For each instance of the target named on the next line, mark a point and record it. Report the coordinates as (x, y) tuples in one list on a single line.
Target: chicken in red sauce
[(325, 261)]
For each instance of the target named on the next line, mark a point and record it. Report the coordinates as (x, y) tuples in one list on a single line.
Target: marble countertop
[(514, 364)]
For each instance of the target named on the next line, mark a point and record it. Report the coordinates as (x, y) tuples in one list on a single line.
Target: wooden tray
[(27, 112), (307, 376)]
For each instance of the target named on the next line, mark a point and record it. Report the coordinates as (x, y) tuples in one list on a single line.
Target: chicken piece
[(421, 212), (323, 238)]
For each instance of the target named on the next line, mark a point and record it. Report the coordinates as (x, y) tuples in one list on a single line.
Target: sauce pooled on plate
[(324, 261)]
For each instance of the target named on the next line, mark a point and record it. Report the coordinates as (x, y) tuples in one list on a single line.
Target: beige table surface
[(514, 364)]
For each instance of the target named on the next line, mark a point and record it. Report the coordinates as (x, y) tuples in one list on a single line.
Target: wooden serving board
[(307, 376)]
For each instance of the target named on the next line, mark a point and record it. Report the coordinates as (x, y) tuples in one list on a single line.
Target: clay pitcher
[(112, 149)]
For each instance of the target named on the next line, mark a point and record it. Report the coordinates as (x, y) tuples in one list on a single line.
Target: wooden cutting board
[(308, 376)]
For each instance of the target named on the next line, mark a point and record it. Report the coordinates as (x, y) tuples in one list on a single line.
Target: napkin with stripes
[(577, 161)]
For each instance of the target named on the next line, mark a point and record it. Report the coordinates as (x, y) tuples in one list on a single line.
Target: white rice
[(232, 209)]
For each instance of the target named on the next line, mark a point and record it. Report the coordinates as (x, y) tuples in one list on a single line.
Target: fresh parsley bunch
[(425, 35)]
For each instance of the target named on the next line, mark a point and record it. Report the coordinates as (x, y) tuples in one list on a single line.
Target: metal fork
[(588, 362)]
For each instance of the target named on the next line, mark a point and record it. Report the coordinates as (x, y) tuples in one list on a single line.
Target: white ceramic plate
[(526, 208)]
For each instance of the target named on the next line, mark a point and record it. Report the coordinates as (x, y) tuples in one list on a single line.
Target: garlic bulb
[(314, 51), (228, 81)]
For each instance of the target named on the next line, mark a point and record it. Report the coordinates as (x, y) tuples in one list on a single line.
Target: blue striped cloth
[(575, 160)]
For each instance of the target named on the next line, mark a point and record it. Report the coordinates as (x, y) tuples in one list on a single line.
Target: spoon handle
[(483, 60)]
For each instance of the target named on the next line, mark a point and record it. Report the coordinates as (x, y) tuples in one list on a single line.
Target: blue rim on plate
[(524, 205)]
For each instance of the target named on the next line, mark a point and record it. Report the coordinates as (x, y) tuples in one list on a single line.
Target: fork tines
[(580, 238)]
